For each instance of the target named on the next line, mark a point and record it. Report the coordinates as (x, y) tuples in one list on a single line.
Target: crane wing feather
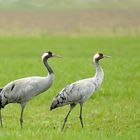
[(74, 93), (78, 91), (22, 89)]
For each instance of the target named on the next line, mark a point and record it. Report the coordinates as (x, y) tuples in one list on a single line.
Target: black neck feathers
[(45, 61)]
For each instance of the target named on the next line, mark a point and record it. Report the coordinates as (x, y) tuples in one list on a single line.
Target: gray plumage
[(81, 90), (22, 90), (0, 109)]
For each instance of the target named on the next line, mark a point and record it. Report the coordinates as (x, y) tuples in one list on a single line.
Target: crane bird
[(0, 111), (80, 91), (22, 90)]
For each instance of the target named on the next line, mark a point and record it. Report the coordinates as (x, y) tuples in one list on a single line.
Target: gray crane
[(79, 91), (0, 111), (22, 90)]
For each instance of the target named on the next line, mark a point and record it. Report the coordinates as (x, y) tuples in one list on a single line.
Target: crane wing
[(74, 93), (0, 90), (78, 91), (18, 90)]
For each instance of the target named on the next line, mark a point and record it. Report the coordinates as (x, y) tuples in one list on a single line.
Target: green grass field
[(113, 112)]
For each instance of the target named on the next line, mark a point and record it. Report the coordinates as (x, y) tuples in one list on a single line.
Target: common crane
[(22, 90), (80, 91), (0, 111)]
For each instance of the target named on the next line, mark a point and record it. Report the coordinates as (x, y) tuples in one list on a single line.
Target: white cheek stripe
[(96, 56), (44, 55)]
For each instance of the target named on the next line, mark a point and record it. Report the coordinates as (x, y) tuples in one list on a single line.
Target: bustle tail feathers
[(58, 101), (1, 100), (0, 90)]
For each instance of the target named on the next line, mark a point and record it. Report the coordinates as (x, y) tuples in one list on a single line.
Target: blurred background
[(84, 17)]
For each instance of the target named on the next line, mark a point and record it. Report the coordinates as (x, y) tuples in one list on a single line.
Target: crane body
[(79, 91), (24, 89)]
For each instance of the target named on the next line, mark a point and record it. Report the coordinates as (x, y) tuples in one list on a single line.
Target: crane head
[(99, 56), (49, 55)]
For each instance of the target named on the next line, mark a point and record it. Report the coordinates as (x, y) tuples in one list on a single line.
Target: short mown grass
[(113, 112)]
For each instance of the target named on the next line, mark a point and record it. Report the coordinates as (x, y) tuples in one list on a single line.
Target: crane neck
[(99, 71), (45, 61)]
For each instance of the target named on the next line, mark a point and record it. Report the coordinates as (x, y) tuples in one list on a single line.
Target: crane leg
[(65, 120), (81, 120), (21, 115), (1, 119)]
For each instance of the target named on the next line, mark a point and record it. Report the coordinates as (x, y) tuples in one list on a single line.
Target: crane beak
[(106, 56), (55, 55)]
